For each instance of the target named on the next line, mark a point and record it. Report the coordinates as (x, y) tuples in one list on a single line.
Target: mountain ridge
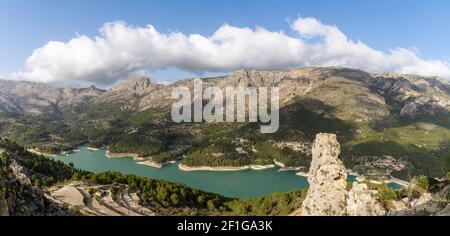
[(406, 115), (407, 86)]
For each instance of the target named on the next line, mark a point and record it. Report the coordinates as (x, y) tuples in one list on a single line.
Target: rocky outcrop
[(138, 85), (19, 172), (327, 179), (363, 202), (427, 204), (19, 198), (327, 193)]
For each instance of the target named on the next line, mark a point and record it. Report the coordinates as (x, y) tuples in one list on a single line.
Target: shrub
[(424, 183), (211, 206), (386, 194), (175, 199)]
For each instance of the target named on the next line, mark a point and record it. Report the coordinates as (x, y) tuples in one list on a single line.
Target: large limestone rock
[(327, 179), (363, 202), (327, 193)]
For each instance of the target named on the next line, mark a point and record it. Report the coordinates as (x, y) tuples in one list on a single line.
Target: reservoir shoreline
[(183, 167), (248, 182)]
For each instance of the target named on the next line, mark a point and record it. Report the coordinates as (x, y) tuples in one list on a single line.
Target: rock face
[(363, 202), (327, 179), (327, 193), (427, 204), (7, 106), (19, 198)]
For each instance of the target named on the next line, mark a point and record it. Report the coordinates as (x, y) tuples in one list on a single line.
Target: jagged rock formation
[(327, 179), (363, 202), (327, 193), (134, 95)]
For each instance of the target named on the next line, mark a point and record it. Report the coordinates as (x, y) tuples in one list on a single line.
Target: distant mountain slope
[(389, 94), (387, 123), (39, 98)]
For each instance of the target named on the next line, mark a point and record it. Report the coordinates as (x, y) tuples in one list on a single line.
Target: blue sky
[(26, 25)]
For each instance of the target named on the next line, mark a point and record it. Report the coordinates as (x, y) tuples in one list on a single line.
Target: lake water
[(240, 184)]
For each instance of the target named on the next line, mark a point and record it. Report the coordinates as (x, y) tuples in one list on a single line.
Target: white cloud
[(122, 49)]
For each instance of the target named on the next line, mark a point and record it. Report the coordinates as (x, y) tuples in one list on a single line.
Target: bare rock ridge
[(137, 85), (327, 194), (416, 95), (39, 98)]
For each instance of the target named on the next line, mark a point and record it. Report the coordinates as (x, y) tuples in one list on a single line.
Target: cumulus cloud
[(123, 49)]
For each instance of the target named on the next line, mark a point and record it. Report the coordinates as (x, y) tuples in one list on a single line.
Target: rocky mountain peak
[(138, 84), (92, 88), (394, 75), (254, 78), (242, 72)]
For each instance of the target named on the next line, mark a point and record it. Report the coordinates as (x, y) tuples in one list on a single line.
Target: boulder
[(363, 202)]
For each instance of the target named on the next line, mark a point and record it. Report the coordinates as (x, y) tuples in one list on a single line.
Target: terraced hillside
[(99, 200)]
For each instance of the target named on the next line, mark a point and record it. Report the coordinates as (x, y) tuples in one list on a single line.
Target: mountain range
[(388, 124)]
